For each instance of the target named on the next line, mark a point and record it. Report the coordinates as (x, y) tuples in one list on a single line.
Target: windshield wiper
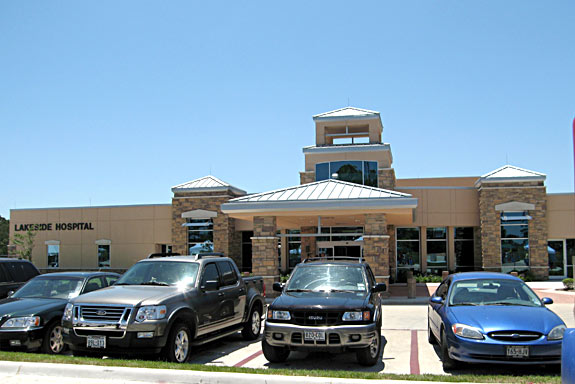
[(299, 290), (343, 290), (122, 284), (155, 283), (506, 303), (464, 304)]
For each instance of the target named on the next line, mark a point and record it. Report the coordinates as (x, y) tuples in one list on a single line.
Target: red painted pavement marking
[(414, 359), (248, 359)]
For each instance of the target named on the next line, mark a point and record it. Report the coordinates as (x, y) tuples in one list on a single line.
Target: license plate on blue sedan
[(517, 351), (314, 335), (96, 342)]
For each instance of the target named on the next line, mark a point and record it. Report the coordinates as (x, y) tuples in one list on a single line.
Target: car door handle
[(242, 290), (220, 293)]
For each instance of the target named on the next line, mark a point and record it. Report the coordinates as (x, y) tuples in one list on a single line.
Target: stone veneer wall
[(386, 178), (308, 244), (265, 251), (226, 240), (306, 177), (493, 194), (376, 246)]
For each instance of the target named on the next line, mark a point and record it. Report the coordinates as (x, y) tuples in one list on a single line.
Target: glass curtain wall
[(408, 252), (247, 251), (514, 241), (294, 248), (436, 242), (464, 249), (200, 235), (358, 172)]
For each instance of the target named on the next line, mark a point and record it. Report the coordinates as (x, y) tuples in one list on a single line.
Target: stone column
[(376, 246), (265, 251), (308, 243)]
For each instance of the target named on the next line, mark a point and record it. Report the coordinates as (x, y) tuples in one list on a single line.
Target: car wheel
[(253, 326), (448, 362), (53, 343), (177, 349), (370, 355), (274, 354), (430, 336)]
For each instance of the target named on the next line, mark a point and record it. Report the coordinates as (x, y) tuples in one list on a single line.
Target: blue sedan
[(483, 317)]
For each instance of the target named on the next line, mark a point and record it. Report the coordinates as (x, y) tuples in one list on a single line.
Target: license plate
[(314, 335), (517, 351), (96, 342)]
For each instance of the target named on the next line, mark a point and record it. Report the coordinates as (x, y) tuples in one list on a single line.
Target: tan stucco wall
[(561, 216), (133, 231)]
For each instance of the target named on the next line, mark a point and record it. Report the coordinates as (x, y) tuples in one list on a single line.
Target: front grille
[(515, 336), (334, 338), (90, 332), (315, 318), (296, 338), (102, 313)]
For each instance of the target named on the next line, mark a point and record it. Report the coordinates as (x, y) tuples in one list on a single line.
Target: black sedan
[(30, 318)]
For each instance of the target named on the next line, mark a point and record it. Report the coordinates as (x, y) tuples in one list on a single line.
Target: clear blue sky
[(114, 102)]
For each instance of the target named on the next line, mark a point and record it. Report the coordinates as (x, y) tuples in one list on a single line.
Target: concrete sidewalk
[(45, 373)]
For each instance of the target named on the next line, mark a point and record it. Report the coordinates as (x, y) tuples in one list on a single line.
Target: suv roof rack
[(164, 254), (334, 258), (199, 256)]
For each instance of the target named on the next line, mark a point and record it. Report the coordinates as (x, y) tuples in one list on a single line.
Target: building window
[(358, 172), (53, 255), (166, 248), (341, 234), (436, 241), (200, 235), (464, 249), (247, 251), (407, 251), (514, 241), (104, 256), (294, 248)]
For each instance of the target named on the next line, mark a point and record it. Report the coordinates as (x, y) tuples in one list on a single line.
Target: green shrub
[(428, 279), (568, 283), (284, 278)]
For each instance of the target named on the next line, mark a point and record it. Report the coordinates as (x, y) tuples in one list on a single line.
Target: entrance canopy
[(327, 197)]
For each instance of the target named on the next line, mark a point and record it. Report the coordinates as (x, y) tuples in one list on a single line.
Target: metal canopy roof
[(322, 195), (510, 173), (207, 184), (346, 113)]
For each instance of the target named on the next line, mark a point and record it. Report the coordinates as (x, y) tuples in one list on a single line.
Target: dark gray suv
[(14, 273)]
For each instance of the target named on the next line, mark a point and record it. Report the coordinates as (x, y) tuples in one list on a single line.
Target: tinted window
[(228, 273), (110, 279), (442, 290), (210, 273), (20, 271), (93, 284), (51, 287), (3, 277)]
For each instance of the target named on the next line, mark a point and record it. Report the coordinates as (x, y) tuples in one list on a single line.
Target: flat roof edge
[(95, 207)]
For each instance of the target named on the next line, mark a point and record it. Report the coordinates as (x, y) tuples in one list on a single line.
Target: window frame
[(363, 171)]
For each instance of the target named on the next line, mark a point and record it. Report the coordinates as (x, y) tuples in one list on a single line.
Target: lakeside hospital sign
[(54, 227)]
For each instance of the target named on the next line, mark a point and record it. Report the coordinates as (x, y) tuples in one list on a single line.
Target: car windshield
[(50, 288), (493, 292), (160, 273), (327, 278)]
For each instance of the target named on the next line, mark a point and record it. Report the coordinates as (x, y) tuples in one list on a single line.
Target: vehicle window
[(441, 290), (370, 276), (110, 280), (493, 292), (327, 278), (160, 273), (93, 284), (17, 271), (229, 276), (210, 273), (51, 288), (29, 270), (3, 277)]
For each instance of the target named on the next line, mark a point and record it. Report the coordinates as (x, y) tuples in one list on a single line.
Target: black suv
[(326, 305), (14, 273)]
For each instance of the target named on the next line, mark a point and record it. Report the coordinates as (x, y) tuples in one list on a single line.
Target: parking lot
[(406, 350)]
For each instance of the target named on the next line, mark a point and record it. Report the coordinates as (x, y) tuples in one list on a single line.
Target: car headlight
[(279, 315), (356, 316), (151, 312), (68, 311), (22, 322), (556, 333), (467, 332)]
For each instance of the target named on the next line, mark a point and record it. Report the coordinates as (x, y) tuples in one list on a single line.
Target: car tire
[(178, 346), (448, 362), (52, 343), (253, 326), (274, 354), (430, 336), (369, 356)]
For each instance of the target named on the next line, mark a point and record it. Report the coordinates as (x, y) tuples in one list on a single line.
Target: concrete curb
[(20, 370)]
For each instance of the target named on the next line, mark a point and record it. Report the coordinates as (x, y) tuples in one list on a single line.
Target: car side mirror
[(278, 287), (547, 300), (211, 285), (380, 287), (10, 293), (436, 300)]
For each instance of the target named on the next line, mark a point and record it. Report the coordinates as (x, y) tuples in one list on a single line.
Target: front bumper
[(337, 338), (22, 339), (488, 350)]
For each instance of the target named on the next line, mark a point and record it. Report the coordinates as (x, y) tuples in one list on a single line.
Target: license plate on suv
[(96, 342), (314, 335), (517, 351)]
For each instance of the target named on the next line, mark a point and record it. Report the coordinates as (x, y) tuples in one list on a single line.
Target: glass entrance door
[(557, 264), (339, 248)]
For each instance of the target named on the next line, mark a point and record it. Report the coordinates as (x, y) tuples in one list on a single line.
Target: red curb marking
[(248, 359), (414, 358)]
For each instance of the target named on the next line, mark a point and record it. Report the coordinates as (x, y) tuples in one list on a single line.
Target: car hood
[(491, 318), (321, 300), (129, 295), (17, 307)]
